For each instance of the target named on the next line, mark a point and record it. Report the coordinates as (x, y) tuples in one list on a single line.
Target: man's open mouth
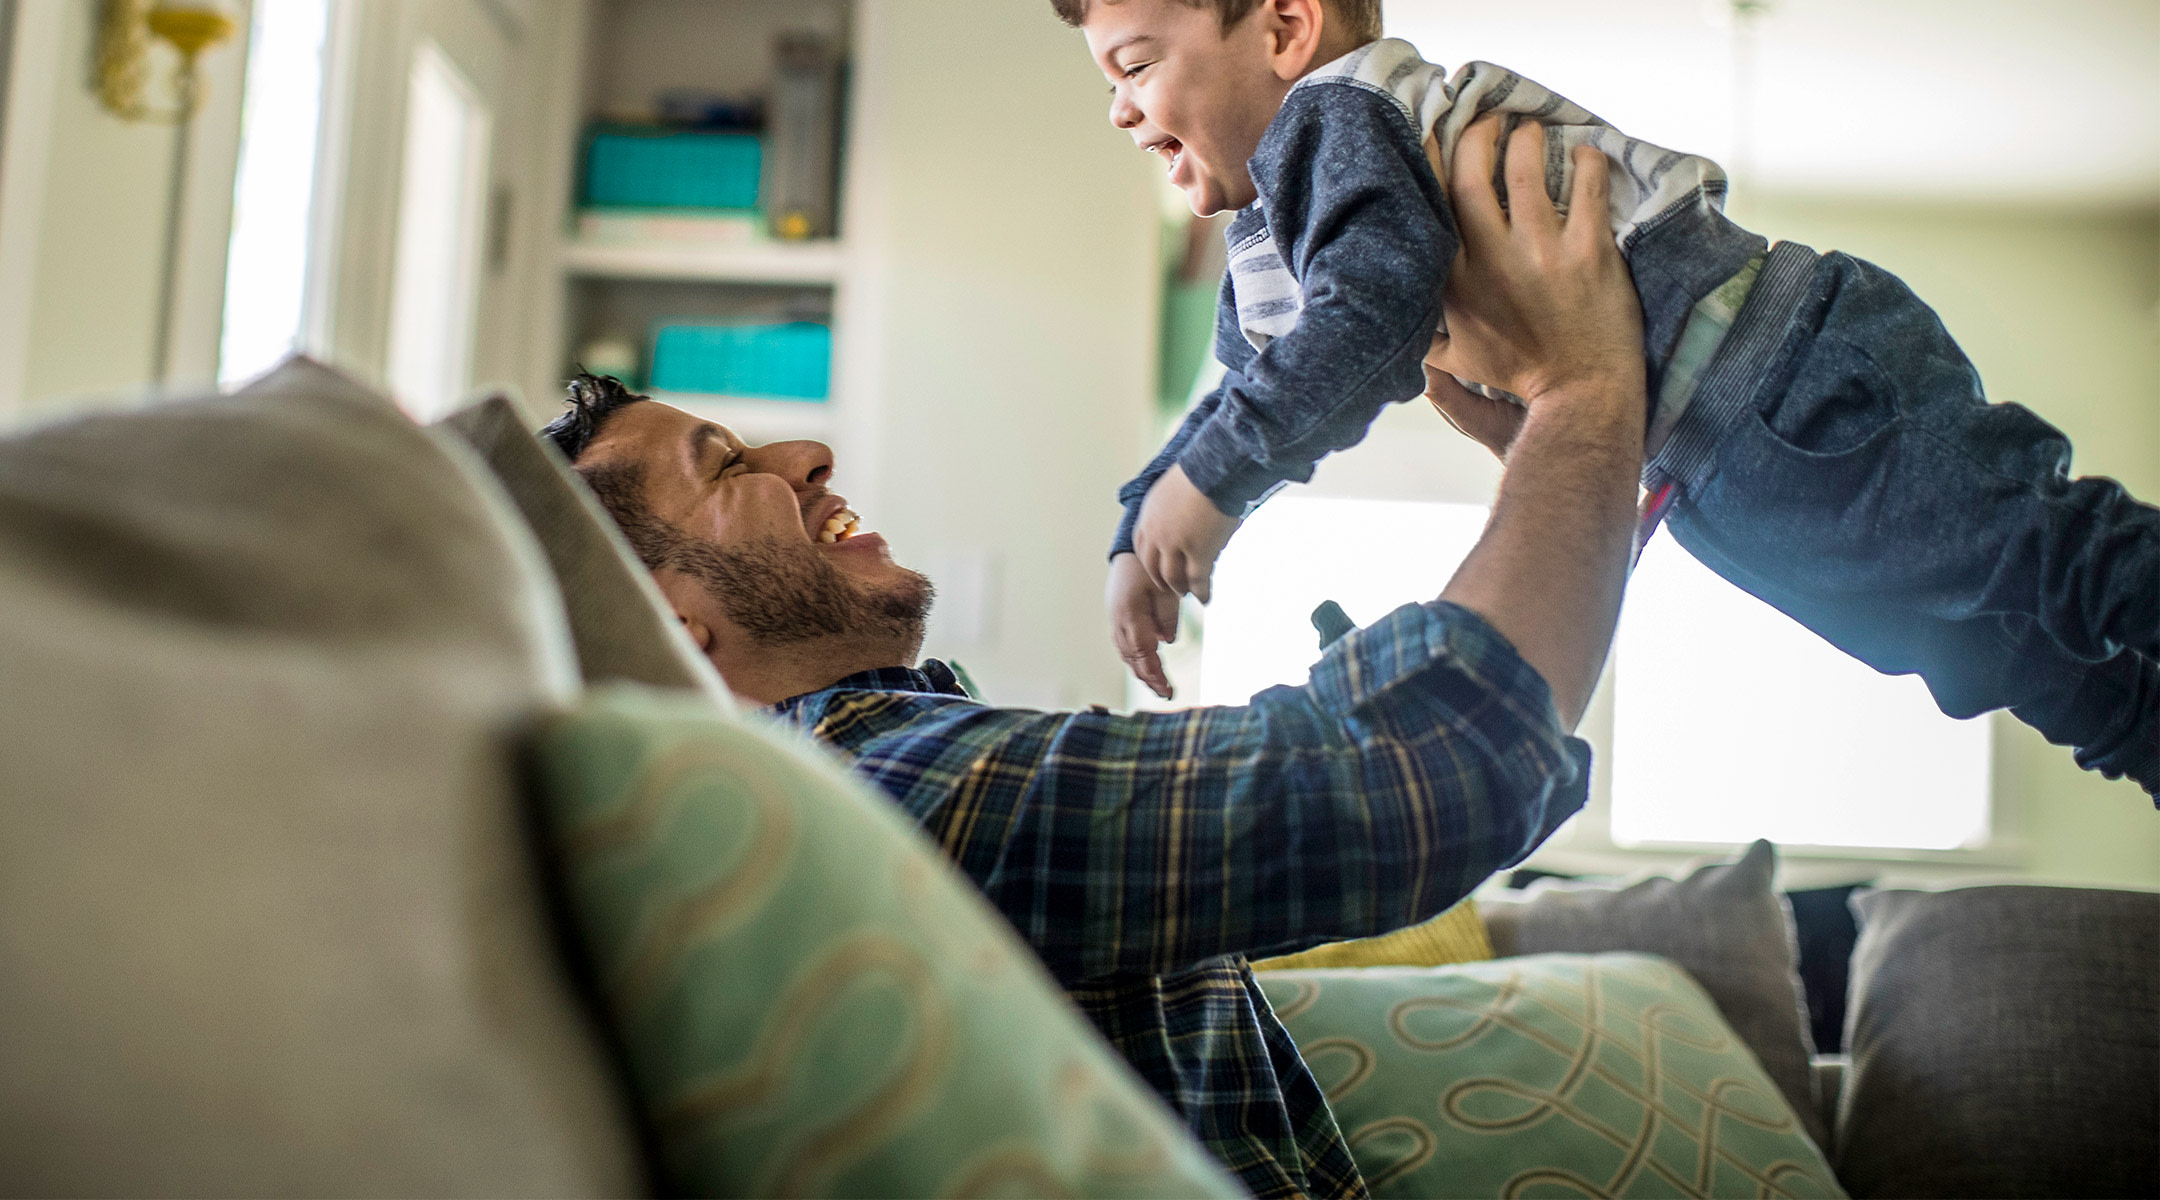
[(839, 527)]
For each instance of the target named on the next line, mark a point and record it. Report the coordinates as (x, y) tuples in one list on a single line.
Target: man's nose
[(807, 466), (1123, 112)]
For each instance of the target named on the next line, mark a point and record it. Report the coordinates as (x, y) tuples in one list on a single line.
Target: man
[(1144, 856)]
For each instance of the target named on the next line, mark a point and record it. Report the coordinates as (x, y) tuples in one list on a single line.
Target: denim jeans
[(1869, 491)]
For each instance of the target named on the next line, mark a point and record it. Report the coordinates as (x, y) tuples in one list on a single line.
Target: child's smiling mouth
[(1171, 150)]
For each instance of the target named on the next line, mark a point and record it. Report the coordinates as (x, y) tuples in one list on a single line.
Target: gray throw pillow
[(269, 924), (2005, 1041), (1724, 924), (622, 625)]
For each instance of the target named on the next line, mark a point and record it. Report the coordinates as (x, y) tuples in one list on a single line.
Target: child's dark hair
[(593, 401), (1362, 16)]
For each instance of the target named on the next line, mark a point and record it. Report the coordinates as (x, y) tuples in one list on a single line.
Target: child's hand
[(1180, 534), (1142, 617)]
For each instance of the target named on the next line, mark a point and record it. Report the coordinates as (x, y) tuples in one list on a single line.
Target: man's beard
[(781, 594)]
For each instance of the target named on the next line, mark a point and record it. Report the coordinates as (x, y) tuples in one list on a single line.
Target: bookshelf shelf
[(815, 262), (646, 260)]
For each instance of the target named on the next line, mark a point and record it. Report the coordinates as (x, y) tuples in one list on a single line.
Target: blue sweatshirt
[(1332, 295)]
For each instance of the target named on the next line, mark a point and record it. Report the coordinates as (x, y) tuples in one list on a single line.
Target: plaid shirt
[(1144, 856)]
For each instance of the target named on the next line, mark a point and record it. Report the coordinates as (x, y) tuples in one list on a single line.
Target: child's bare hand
[(1142, 617), (1180, 534)]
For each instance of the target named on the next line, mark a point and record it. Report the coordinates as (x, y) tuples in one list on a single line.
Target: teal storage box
[(661, 168), (789, 360)]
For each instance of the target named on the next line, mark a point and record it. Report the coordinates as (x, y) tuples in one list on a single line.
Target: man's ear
[(692, 605), (1296, 31)]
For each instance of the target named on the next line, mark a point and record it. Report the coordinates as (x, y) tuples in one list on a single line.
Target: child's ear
[(1296, 31)]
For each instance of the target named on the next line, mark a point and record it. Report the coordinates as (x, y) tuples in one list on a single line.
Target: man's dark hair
[(1362, 16), (593, 401)]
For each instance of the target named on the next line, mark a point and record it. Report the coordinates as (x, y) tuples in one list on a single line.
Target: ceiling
[(1985, 100)]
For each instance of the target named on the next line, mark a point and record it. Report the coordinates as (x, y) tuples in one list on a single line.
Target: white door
[(410, 166)]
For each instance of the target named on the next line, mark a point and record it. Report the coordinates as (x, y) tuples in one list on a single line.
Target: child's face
[(1189, 91)]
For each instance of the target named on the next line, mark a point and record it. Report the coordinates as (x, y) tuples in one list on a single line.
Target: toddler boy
[(1813, 432)]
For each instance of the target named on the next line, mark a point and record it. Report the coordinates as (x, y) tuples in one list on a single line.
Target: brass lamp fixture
[(126, 30)]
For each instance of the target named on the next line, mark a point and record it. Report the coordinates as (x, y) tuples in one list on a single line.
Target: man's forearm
[(1550, 569)]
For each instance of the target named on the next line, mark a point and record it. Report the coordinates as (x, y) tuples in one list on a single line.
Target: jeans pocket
[(1812, 483), (1835, 401)]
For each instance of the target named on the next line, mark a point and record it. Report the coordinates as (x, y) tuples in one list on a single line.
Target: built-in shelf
[(757, 420), (720, 262)]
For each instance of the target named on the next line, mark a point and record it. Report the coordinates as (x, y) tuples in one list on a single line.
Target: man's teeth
[(839, 527)]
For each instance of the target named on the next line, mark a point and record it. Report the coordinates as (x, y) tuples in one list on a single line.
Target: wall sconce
[(125, 31)]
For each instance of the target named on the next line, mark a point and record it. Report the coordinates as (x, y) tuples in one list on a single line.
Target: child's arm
[(1136, 489), (1180, 534), (1361, 223), (1234, 353), (1143, 614)]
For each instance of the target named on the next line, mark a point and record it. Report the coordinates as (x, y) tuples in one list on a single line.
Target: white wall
[(999, 331), (85, 211)]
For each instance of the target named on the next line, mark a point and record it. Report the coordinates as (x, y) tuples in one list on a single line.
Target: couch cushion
[(815, 1001), (1551, 1075), (1724, 924), (2004, 1041), (621, 624), (267, 921)]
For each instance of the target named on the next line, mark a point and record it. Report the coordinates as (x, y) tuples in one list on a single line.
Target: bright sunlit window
[(1732, 722), (1370, 556), (438, 245), (273, 191)]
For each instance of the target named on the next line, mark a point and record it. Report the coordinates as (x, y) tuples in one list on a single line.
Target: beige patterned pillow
[(1552, 1075)]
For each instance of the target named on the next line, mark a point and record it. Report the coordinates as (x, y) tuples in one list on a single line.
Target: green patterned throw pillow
[(813, 1000), (1547, 1076)]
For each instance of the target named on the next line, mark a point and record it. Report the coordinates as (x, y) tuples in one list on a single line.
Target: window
[(1732, 722), (273, 191), (1370, 556), (439, 233)]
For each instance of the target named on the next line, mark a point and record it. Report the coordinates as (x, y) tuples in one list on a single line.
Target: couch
[(321, 734)]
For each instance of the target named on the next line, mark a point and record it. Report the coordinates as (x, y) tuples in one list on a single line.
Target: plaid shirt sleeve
[(1422, 755)]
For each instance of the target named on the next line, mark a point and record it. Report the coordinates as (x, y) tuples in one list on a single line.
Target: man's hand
[(1142, 617), (1543, 307), (1490, 423), (1180, 534), (1535, 303)]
